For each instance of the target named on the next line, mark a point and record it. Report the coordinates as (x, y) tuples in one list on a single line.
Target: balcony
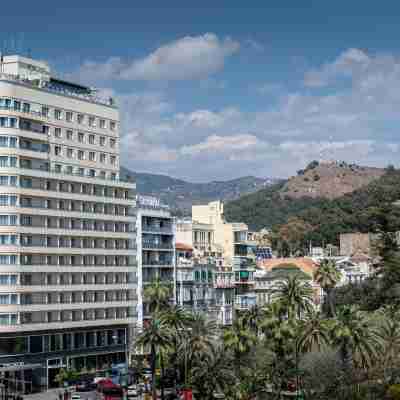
[(148, 244), (27, 112), (245, 301), (244, 278), (157, 229), (224, 280)]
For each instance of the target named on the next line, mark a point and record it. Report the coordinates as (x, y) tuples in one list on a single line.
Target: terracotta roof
[(183, 246), (307, 265)]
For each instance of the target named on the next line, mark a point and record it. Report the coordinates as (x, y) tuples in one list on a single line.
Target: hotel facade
[(67, 229)]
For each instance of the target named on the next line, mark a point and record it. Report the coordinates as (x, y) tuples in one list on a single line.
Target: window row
[(64, 297), (84, 155), (8, 162), (75, 224), (76, 315), (7, 279), (81, 137), (70, 242), (78, 260), (76, 278), (8, 319), (8, 259), (6, 200), (77, 205), (61, 341), (8, 122), (58, 114), (8, 298)]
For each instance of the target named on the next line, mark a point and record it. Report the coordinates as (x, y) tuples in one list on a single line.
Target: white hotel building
[(67, 228)]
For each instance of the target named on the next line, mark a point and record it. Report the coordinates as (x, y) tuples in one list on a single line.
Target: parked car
[(76, 396)]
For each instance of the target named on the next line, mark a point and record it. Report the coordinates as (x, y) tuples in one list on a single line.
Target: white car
[(76, 396), (133, 391)]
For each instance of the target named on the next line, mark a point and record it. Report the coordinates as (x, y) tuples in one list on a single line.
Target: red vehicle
[(109, 390)]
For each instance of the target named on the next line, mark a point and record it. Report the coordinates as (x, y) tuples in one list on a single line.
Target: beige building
[(233, 238)]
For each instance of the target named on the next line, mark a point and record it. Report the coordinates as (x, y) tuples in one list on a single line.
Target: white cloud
[(355, 121), (190, 57)]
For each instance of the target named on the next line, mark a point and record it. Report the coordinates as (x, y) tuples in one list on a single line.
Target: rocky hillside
[(180, 194), (317, 187), (329, 180)]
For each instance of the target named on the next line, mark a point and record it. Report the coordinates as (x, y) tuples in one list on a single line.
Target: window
[(113, 160), (91, 139), (68, 116), (45, 111), (70, 135), (45, 129), (81, 137), (112, 125), (92, 173), (80, 118), (57, 150), (102, 124), (102, 158), (57, 132), (81, 171), (17, 105), (112, 143), (102, 141), (70, 153), (7, 259), (81, 155), (69, 169), (57, 168), (26, 107), (12, 142), (92, 156), (92, 121), (58, 114)]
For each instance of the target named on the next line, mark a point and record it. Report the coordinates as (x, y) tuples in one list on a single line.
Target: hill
[(326, 218), (180, 194), (330, 180)]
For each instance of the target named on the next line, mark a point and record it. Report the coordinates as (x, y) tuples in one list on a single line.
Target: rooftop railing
[(58, 89)]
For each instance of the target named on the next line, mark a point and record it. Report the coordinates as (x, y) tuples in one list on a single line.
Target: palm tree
[(252, 318), (212, 373), (178, 320), (353, 335), (313, 333), (157, 336), (389, 334), (278, 330), (328, 276), (296, 295), (239, 340), (196, 341), (157, 295)]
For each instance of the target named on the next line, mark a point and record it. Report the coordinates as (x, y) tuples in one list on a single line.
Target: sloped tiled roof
[(307, 265)]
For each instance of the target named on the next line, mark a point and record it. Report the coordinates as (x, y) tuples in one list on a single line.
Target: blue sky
[(220, 91)]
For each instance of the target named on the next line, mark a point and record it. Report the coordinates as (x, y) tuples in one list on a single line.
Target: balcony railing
[(53, 88), (157, 229), (31, 113), (157, 245)]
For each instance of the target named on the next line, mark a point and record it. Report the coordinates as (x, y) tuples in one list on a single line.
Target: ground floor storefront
[(31, 363)]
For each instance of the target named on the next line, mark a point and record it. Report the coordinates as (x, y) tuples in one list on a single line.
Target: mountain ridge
[(180, 194)]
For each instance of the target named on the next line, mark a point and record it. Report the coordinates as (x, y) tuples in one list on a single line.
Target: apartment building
[(204, 283), (155, 249), (239, 249), (67, 228)]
